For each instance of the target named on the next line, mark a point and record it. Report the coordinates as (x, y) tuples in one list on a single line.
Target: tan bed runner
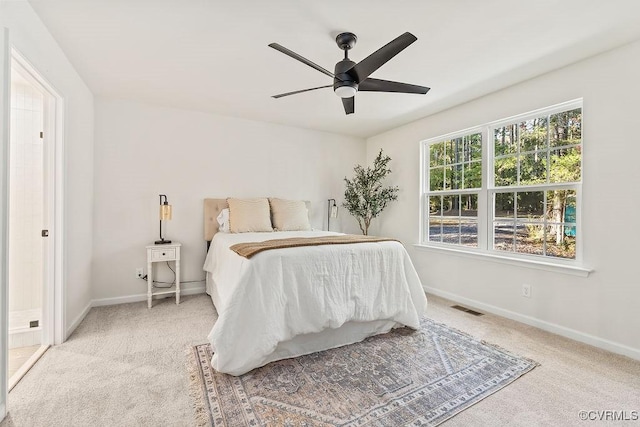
[(249, 249)]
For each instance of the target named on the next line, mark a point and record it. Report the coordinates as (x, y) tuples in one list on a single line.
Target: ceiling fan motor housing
[(343, 80)]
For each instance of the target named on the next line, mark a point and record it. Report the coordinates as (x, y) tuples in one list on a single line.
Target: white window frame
[(486, 193), (425, 185)]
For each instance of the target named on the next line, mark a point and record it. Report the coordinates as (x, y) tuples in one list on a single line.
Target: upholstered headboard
[(212, 208)]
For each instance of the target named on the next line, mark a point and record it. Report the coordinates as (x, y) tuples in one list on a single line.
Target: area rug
[(402, 378)]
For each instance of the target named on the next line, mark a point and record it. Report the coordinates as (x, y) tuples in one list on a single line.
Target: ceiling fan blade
[(377, 59), (349, 104), (377, 85), (299, 91), (302, 59)]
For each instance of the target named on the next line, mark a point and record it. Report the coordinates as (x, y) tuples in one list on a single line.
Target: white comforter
[(283, 293)]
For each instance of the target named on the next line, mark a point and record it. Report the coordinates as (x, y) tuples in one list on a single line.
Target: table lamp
[(165, 215)]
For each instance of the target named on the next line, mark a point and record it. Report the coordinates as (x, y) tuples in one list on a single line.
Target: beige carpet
[(125, 366)]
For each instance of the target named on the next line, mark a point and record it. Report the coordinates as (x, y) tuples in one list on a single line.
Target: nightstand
[(162, 253)]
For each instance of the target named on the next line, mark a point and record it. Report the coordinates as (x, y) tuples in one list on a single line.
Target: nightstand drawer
[(163, 254)]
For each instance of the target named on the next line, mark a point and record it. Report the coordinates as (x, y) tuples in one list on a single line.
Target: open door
[(4, 202), (31, 186)]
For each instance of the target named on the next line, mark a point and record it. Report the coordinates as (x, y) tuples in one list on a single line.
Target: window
[(511, 186), (455, 177)]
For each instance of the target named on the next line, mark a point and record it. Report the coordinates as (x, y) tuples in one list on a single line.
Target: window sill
[(574, 270)]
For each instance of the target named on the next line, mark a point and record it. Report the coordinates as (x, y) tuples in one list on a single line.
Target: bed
[(287, 302)]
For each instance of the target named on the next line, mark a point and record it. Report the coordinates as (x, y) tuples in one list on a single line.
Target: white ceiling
[(212, 55)]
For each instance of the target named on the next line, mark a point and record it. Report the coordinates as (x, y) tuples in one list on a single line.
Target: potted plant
[(365, 197)]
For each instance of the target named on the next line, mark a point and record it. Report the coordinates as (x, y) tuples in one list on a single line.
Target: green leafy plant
[(365, 197)]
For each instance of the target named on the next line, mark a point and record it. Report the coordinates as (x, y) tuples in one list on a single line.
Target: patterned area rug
[(401, 378)]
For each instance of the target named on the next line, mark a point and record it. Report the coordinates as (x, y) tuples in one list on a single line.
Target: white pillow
[(289, 215), (248, 215), (223, 220)]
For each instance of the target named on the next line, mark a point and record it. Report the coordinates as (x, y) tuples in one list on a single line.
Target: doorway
[(31, 209)]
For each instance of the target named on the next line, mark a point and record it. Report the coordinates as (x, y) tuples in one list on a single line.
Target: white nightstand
[(161, 253)]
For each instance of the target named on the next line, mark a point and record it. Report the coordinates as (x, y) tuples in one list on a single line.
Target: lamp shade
[(165, 212)]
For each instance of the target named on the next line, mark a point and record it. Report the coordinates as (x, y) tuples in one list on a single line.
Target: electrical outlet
[(526, 290), (139, 273)]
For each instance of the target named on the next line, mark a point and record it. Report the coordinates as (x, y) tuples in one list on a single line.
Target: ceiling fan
[(349, 77)]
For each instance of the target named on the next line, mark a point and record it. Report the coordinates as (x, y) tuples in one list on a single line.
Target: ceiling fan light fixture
[(345, 91)]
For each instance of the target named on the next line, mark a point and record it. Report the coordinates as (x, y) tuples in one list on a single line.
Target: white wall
[(602, 308), (142, 151), (31, 38)]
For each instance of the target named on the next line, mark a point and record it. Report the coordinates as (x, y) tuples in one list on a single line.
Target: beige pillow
[(289, 215), (246, 215)]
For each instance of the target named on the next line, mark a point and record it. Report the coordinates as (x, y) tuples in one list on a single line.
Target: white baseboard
[(605, 344), (193, 290), (77, 321)]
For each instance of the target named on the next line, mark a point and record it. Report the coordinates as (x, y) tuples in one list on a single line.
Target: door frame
[(53, 307), (5, 61)]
